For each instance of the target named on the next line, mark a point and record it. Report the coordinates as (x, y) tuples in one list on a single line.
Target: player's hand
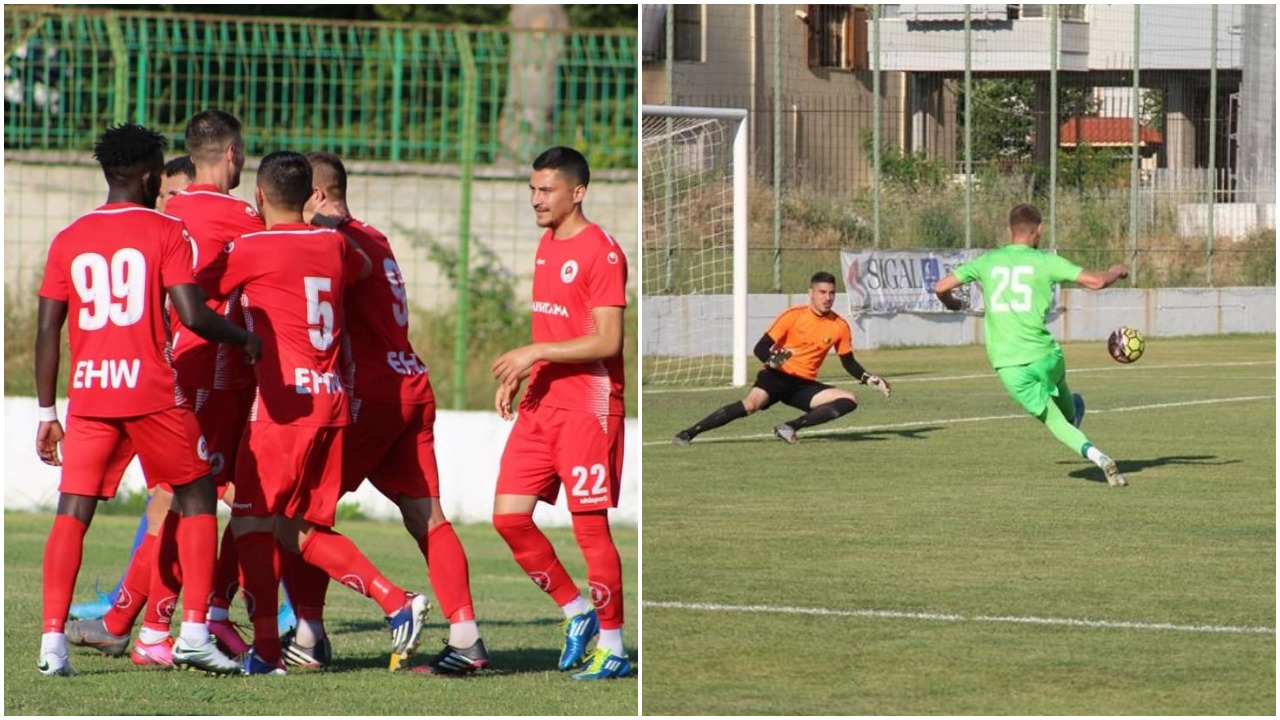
[(318, 211), (879, 383), (47, 438), (1119, 271), (514, 365), (951, 302), (503, 398), (778, 358), (252, 349)]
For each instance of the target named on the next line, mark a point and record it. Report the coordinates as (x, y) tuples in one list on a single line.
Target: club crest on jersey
[(569, 271), (248, 210), (612, 257), (202, 449), (229, 247), (826, 340)]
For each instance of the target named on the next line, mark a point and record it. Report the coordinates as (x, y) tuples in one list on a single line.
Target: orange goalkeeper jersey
[(809, 337)]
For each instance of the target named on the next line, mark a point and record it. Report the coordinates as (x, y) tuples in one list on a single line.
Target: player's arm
[(943, 289), (605, 342), (50, 317), (196, 316), (854, 368), (767, 355), (1099, 280)]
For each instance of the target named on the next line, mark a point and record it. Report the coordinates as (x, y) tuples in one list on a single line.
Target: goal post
[(694, 245)]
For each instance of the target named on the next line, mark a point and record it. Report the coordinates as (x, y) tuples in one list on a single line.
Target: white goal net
[(694, 232)]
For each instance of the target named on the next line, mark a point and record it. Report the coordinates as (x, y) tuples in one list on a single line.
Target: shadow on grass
[(1130, 467), (856, 435)]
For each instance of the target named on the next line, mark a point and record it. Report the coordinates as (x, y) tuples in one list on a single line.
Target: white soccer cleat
[(1112, 471), (53, 664)]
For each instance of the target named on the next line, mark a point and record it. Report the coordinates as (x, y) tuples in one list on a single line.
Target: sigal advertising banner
[(892, 281)]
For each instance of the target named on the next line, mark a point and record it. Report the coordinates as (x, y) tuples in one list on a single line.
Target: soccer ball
[(1126, 345)]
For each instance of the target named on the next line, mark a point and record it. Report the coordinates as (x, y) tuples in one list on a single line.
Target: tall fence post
[(1135, 100), (875, 125), (144, 74), (469, 143), (968, 126), (1212, 204), (777, 148), (1054, 28), (397, 89)]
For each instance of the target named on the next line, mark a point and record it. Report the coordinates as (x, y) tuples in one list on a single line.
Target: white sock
[(463, 634), (309, 633), (53, 642), (576, 606), (612, 641), (217, 613), (195, 634), (150, 637), (1096, 456)]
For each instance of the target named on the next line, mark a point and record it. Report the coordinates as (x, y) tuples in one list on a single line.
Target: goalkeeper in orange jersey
[(792, 350)]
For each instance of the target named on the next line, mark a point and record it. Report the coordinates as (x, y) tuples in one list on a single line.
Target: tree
[(531, 80)]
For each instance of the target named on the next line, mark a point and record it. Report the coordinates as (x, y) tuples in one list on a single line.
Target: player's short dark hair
[(565, 160), (285, 179), (181, 165), (1024, 219), (126, 152), (822, 276), (331, 168), (209, 133)]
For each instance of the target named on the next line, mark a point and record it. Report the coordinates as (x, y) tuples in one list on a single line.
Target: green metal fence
[(437, 125), (368, 91)]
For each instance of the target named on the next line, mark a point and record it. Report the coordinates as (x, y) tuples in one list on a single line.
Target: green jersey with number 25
[(1017, 288)]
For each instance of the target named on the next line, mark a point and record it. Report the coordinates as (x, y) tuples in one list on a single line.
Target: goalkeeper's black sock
[(824, 413), (723, 416)]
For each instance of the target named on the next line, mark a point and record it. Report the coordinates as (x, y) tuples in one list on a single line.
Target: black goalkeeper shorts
[(795, 391)]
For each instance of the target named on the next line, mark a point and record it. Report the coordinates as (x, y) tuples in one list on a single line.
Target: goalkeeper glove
[(778, 358), (878, 383)]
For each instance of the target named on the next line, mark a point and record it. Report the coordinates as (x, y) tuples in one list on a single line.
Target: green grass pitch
[(939, 552), (520, 625)]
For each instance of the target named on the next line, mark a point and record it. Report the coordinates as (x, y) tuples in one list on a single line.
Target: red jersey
[(111, 267), (570, 278), (385, 368), (293, 279), (214, 219)]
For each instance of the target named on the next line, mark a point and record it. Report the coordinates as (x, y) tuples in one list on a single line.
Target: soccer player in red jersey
[(293, 279), (391, 440), (109, 271), (219, 389), (178, 174), (569, 428)]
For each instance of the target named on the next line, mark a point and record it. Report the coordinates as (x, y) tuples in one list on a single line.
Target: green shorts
[(1033, 384)]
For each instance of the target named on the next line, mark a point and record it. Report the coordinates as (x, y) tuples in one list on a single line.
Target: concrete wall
[(468, 448), (692, 326), (41, 199)]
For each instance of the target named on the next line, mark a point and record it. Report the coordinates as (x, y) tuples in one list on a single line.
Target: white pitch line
[(952, 617), (979, 376), (954, 421)]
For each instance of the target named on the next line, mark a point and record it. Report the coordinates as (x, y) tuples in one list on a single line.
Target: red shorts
[(223, 415), (96, 451), (289, 470), (394, 446), (551, 446)]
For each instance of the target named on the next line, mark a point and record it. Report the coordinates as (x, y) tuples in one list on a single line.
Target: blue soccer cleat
[(605, 665), (1078, 401), (254, 665), (92, 609), (579, 631)]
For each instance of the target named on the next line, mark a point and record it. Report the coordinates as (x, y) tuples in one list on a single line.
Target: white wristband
[(47, 414)]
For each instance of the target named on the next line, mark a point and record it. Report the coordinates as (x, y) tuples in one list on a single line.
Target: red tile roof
[(1105, 131)]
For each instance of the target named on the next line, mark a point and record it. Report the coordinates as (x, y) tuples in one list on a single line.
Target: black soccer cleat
[(456, 661)]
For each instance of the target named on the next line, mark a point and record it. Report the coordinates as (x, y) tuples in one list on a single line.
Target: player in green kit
[(1017, 284)]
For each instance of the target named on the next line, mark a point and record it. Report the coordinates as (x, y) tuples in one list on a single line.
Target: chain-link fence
[(1145, 134), (437, 125)]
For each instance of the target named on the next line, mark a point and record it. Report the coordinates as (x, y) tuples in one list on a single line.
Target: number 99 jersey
[(111, 266)]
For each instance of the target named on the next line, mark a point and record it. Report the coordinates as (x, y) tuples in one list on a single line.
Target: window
[(836, 36), (689, 32)]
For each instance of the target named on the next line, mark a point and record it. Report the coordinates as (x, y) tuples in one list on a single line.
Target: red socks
[(197, 553), (62, 556), (535, 555), (226, 578), (604, 567), (133, 595), (342, 560), (166, 576), (260, 566), (449, 573)]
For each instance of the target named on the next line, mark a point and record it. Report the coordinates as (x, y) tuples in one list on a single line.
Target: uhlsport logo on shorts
[(600, 595), (541, 579), (569, 271)]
